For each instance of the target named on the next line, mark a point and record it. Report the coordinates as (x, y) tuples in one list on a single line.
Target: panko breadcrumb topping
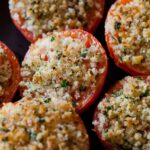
[(124, 116), (32, 124), (63, 67)]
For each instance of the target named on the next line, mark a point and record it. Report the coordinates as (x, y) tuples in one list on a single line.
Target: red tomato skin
[(84, 105), (98, 20), (29, 35), (11, 90), (126, 67)]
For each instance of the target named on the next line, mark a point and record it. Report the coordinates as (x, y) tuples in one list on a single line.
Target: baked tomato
[(118, 118), (52, 126), (69, 65), (33, 18), (9, 73), (127, 35)]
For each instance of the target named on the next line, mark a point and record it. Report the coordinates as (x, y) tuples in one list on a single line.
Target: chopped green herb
[(119, 39), (105, 113), (118, 93), (4, 129), (41, 120), (131, 98), (32, 135), (114, 38), (139, 78), (142, 41), (117, 25), (47, 100), (87, 7), (83, 53), (41, 57), (146, 17), (109, 108), (59, 54), (106, 130), (82, 88), (26, 66), (122, 59), (21, 126), (74, 103), (52, 39), (3, 120), (143, 50), (107, 100), (129, 23), (5, 139), (123, 50), (145, 93), (64, 83), (51, 82)]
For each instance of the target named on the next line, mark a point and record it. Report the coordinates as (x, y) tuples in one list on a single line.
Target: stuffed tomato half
[(127, 32), (121, 119), (41, 124), (71, 65)]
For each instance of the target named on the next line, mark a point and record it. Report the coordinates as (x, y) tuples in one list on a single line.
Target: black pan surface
[(16, 42)]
